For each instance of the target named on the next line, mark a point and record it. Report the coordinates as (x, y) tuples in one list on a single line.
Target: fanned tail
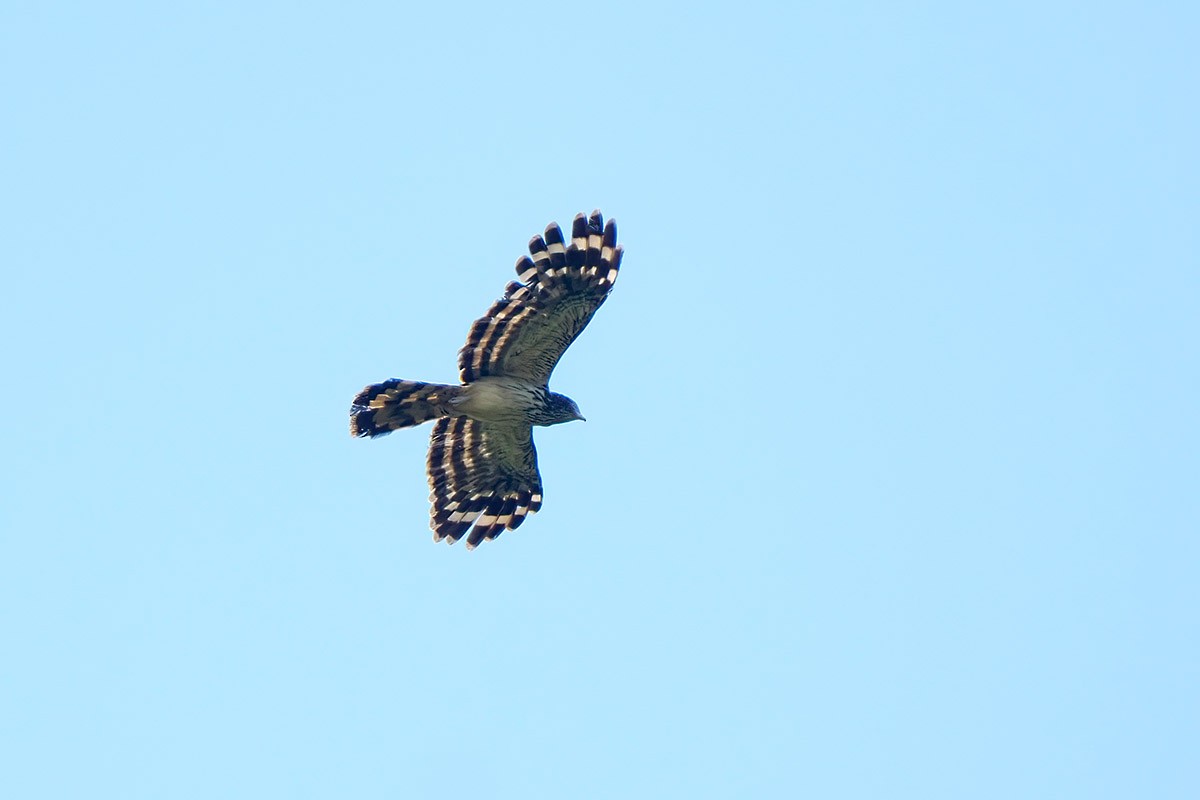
[(385, 407)]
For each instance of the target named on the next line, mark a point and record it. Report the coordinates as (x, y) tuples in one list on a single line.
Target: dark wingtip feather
[(526, 271), (575, 255)]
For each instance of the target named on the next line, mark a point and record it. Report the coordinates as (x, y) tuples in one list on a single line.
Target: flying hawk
[(482, 465)]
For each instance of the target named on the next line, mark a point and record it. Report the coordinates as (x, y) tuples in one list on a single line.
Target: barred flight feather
[(483, 478), (560, 287)]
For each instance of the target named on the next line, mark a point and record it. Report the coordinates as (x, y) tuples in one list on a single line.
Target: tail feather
[(385, 407)]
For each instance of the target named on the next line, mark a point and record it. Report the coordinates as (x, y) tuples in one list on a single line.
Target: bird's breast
[(498, 399)]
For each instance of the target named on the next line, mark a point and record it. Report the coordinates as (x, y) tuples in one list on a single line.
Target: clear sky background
[(889, 481)]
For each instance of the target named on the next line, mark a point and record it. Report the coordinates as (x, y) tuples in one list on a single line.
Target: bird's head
[(559, 408)]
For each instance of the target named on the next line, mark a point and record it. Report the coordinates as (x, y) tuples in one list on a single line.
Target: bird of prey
[(483, 472)]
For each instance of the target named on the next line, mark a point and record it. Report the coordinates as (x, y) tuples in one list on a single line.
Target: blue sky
[(889, 481)]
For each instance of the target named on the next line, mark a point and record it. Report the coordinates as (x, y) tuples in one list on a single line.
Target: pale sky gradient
[(888, 487)]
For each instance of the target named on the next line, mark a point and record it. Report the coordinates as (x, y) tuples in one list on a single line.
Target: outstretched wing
[(482, 475), (525, 332)]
